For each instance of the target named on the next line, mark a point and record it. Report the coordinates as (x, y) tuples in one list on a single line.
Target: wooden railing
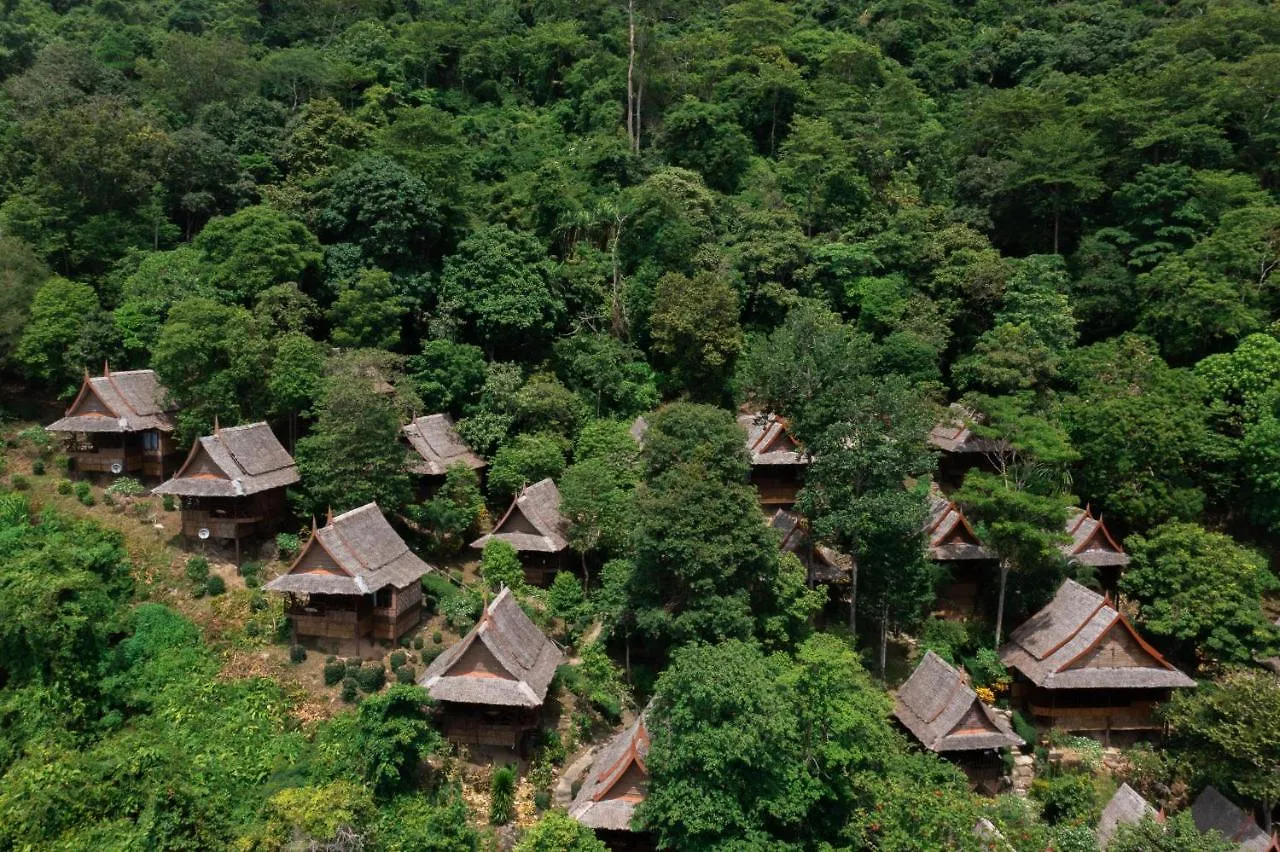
[(1134, 717), (219, 527), (100, 461)]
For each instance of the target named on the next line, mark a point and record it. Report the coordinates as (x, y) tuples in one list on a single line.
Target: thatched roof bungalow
[(355, 580), (534, 526), (492, 683), (437, 447), (1213, 811), (953, 543), (233, 484), (119, 423), (1125, 808), (960, 447), (778, 461), (1082, 666), (616, 782), (824, 565)]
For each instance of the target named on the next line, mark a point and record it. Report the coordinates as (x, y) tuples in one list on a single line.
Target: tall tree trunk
[(639, 100), (631, 67), (1268, 804), (853, 603), (884, 636), (1057, 218), (1004, 578), (586, 574), (626, 649)]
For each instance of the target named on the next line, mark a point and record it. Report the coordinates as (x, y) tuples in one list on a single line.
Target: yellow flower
[(986, 695)]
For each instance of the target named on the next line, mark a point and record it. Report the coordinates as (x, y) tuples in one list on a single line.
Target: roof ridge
[(120, 393), (1101, 603)]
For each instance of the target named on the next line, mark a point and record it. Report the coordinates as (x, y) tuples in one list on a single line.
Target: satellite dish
[(117, 468), (203, 533)]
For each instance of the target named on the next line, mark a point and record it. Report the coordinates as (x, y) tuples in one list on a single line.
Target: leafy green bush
[(62, 463), (215, 585), (107, 499), (64, 486), (405, 674), (429, 655), (372, 678), (334, 672), (418, 643), (350, 690), (944, 637), (197, 569), (988, 671), (38, 438), (461, 611), (1025, 729), (19, 482), (83, 493), (436, 637), (397, 659), (251, 568), (37, 467), (500, 566), (126, 486), (502, 795), (1068, 799), (297, 654), (287, 544), (168, 503)]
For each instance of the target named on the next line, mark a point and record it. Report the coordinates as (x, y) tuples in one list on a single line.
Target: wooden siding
[(1118, 649), (479, 661), (203, 466), (631, 787), (974, 722), (516, 522)]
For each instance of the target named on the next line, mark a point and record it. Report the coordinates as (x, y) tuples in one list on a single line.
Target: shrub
[(405, 674), (988, 671), (1066, 799), (197, 569), (62, 463), (944, 637), (403, 641), (1025, 729), (502, 795), (500, 566), (349, 690), (297, 654), (460, 611), (83, 493), (64, 486), (353, 666), (168, 503), (429, 655), (397, 659), (437, 637), (38, 438), (107, 499), (19, 482), (215, 585), (126, 486), (372, 678), (287, 544), (252, 568), (334, 672), (418, 643), (565, 598), (542, 800), (37, 467)]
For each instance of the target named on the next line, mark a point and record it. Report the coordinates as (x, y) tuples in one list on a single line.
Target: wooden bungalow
[(438, 447), (1125, 808), (947, 717), (960, 448), (120, 424), (822, 564), (954, 545), (1080, 665), (355, 581), (616, 782), (492, 683), (534, 526), (233, 484), (777, 460), (1212, 811), (1092, 544)]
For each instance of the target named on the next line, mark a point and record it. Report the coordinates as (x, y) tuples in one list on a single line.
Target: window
[(151, 441), (382, 598)]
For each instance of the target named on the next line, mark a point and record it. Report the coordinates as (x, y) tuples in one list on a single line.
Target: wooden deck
[(1138, 716)]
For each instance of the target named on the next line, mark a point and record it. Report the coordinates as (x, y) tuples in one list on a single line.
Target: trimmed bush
[(397, 659), (437, 637), (252, 568), (417, 643), (64, 486), (168, 503), (62, 463), (372, 678), (350, 690), (334, 672), (37, 467), (502, 795), (297, 654), (19, 482), (197, 569), (215, 585), (83, 493), (126, 486), (405, 674), (287, 544), (542, 800), (429, 655)]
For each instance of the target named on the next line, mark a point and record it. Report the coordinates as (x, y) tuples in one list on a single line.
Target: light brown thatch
[(1091, 543), (128, 401), (1212, 811), (944, 714), (1053, 648), (249, 458), (824, 564), (438, 446), (533, 522), (364, 555), (616, 782), (955, 434), (511, 666), (769, 442), (951, 537), (1125, 808)]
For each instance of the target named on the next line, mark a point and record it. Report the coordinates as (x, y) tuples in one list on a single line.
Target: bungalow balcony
[(220, 526), (87, 458), (1137, 716)]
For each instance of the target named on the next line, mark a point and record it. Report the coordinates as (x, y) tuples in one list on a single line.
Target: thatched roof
[(438, 446), (1091, 543), (1213, 811), (824, 564), (533, 522), (1080, 641), (128, 401), (955, 434), (769, 442), (356, 553), (504, 661), (616, 781), (1125, 808), (234, 462), (944, 714), (638, 427), (951, 537)]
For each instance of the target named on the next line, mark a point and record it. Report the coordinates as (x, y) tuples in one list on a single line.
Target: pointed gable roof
[(601, 803), (505, 636), (438, 446), (364, 555), (825, 565), (1091, 543), (769, 442), (951, 537), (1059, 647), (250, 460), (944, 714), (955, 433), (1125, 808), (1213, 811), (128, 401), (533, 521)]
